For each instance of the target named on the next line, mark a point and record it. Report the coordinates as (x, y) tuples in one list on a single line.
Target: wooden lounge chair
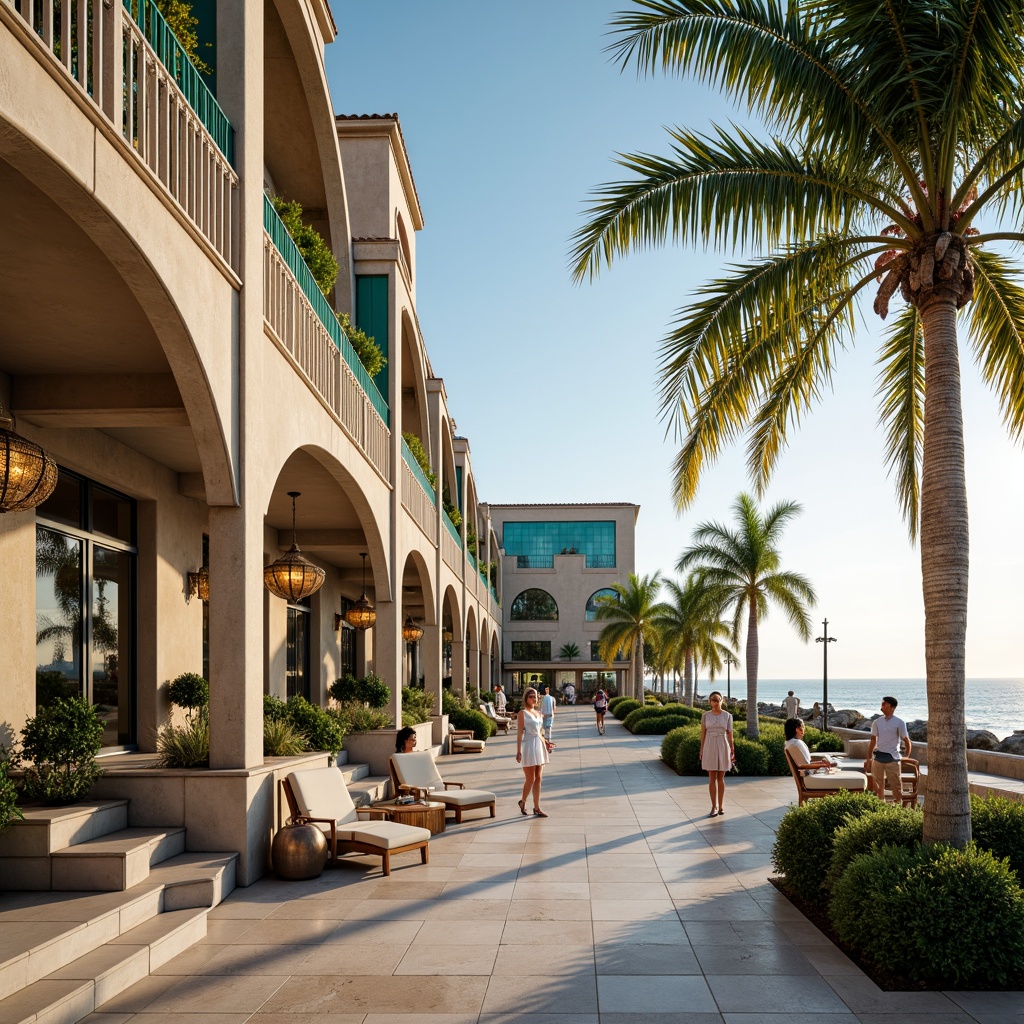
[(417, 773), (500, 721), (462, 741), (808, 787), (319, 796)]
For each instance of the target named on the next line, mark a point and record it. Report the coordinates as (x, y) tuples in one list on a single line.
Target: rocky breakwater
[(849, 718)]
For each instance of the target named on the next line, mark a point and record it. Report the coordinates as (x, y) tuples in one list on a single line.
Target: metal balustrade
[(300, 331), (105, 53)]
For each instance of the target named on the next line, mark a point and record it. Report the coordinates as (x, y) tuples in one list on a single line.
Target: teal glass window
[(536, 544), (534, 606), (531, 650), (592, 602)]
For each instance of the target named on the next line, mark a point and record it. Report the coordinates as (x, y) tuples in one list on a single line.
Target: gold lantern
[(292, 576), (411, 632), (27, 474), (362, 614)]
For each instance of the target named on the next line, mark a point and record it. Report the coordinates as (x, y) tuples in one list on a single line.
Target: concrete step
[(195, 880), (369, 789), (75, 990), (115, 862), (353, 772)]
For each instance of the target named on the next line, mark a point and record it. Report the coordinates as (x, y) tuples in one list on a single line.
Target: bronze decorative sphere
[(298, 852)]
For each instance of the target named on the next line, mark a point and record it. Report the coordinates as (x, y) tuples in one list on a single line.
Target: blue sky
[(511, 114)]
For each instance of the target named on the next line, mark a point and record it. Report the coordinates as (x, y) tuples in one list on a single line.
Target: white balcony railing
[(416, 502), (451, 553), (101, 49), (297, 328)]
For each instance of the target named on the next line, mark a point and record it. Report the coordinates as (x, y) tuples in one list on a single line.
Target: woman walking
[(600, 706), (531, 750), (717, 750)]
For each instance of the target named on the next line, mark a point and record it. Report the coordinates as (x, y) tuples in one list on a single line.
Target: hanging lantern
[(293, 576), (362, 614), (27, 474), (199, 583), (410, 630)]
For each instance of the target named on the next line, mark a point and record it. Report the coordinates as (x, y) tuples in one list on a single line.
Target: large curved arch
[(533, 605), (413, 384), (416, 570)]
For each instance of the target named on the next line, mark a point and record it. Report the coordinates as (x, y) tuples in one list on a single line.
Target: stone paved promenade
[(627, 904)]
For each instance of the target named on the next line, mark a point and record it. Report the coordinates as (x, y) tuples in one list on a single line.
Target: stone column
[(430, 660), (388, 651), (459, 667)]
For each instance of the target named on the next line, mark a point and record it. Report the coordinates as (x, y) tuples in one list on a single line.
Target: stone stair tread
[(124, 841), (369, 789), (55, 1002), (157, 928), (190, 867)]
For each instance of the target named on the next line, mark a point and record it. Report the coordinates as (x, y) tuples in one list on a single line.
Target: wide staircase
[(90, 905)]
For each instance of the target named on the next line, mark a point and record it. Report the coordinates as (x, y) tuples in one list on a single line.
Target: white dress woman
[(717, 750), (531, 750)]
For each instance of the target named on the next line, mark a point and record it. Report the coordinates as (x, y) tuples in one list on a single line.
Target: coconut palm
[(741, 567), (894, 128), (569, 651), (691, 629), (629, 615)]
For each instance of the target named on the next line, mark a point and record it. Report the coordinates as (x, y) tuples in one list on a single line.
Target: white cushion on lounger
[(837, 780), (388, 835)]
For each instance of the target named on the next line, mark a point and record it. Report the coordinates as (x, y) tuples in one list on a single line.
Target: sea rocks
[(844, 718), (982, 739), (918, 730), (1013, 744)]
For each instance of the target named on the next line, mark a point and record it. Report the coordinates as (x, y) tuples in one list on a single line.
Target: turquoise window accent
[(372, 318), (274, 226), (410, 461), (205, 12), (536, 544), (458, 487), (534, 605), (592, 602), (159, 35)]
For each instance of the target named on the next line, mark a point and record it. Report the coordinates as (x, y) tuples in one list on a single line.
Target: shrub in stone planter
[(189, 691), (803, 843), (9, 810), (61, 743), (274, 708), (417, 705), (888, 825), (282, 739), (998, 825), (466, 718), (345, 689), (321, 730), (882, 901), (185, 746), (374, 691)]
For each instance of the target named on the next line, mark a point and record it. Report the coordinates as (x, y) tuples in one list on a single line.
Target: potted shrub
[(61, 743), (188, 745)]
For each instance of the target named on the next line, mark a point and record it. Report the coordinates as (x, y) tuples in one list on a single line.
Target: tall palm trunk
[(640, 668), (944, 569), (688, 698), (752, 655)]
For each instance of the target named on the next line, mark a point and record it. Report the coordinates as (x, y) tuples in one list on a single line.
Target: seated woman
[(405, 741), (807, 765)]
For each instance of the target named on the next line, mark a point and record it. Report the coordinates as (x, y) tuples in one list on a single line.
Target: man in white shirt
[(888, 734), (547, 709), (791, 705), (499, 699)]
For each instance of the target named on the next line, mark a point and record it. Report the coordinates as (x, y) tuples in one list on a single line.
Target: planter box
[(376, 747)]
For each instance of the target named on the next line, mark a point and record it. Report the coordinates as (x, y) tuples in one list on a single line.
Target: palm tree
[(741, 566), (629, 615), (691, 629), (894, 127), (569, 651)]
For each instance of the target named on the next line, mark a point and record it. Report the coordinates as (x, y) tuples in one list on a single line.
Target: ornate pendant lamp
[(199, 584), (362, 614), (27, 474), (410, 630), (293, 576)]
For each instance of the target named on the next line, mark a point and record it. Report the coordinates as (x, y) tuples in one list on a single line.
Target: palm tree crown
[(741, 566), (691, 631), (894, 129), (630, 616)]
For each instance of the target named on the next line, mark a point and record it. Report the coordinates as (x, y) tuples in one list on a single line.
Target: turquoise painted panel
[(372, 318)]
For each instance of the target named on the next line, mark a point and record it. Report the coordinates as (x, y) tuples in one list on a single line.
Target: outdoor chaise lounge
[(417, 773), (319, 796), (808, 787), (500, 721), (462, 741)]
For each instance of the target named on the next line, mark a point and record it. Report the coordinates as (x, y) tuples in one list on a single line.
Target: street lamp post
[(825, 640)]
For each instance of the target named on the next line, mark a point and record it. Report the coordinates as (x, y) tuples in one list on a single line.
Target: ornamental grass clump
[(803, 843), (888, 825), (60, 743), (935, 915), (282, 739), (188, 745)]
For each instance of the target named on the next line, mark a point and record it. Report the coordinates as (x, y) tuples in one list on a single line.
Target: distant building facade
[(557, 562)]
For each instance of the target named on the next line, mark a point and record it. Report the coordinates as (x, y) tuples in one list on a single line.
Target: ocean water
[(993, 704)]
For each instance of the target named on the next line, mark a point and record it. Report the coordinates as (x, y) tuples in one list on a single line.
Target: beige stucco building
[(558, 560), (164, 343)]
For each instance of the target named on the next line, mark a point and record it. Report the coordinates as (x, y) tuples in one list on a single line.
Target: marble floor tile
[(640, 996)]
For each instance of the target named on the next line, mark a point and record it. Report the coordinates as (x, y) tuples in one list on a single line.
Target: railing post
[(111, 97)]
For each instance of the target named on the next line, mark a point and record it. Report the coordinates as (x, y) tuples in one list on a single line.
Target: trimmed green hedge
[(670, 745), (624, 707), (616, 701), (659, 725), (883, 899), (997, 824), (886, 825)]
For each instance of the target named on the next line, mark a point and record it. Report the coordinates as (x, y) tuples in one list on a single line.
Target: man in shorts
[(547, 709), (499, 699), (885, 750)]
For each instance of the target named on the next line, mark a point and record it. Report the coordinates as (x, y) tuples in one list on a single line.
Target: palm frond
[(901, 389), (997, 333)]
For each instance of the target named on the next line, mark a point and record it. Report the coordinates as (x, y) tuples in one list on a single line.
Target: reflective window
[(297, 650), (85, 602), (595, 652), (531, 650), (536, 544), (592, 602), (534, 605)]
